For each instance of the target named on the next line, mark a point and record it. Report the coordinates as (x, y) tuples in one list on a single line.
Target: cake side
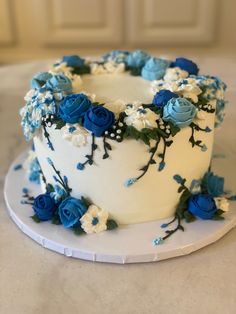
[(153, 197)]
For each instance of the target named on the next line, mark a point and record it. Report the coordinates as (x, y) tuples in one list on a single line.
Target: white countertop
[(35, 280)]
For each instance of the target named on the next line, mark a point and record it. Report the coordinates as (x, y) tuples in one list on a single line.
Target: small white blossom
[(141, 118), (186, 87), (174, 74), (222, 203), (94, 220), (75, 134), (109, 67)]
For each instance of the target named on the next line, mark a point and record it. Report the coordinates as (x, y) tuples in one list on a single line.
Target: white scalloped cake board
[(127, 244)]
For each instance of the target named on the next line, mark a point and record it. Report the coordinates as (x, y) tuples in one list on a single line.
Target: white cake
[(153, 197), (182, 142)]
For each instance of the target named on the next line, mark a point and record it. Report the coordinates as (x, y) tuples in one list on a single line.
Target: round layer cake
[(118, 130)]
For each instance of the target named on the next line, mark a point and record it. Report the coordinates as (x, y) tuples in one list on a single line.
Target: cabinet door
[(173, 22), (78, 22), (6, 23)]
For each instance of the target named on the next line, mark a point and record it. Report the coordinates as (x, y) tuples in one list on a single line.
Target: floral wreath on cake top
[(180, 98)]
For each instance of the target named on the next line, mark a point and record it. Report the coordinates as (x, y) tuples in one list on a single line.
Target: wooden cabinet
[(45, 28)]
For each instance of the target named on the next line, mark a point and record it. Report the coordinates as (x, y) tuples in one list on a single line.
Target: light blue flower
[(155, 69), (40, 79), (118, 56), (59, 83), (137, 59), (179, 111), (129, 182)]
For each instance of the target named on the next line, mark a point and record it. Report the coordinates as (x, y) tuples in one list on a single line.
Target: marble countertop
[(35, 280)]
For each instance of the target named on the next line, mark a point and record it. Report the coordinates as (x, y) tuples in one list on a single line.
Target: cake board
[(127, 244)]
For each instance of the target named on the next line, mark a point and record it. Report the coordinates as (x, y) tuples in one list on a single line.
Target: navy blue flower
[(186, 65), (44, 206), (98, 120), (40, 79), (73, 107), (202, 206), (59, 83), (213, 184), (162, 97), (73, 61), (70, 211)]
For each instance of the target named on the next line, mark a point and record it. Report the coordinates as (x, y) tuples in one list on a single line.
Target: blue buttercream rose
[(73, 61), (162, 97), (213, 184), (154, 69), (44, 206), (59, 83), (40, 79), (73, 107), (179, 111), (98, 120), (137, 59), (186, 65), (202, 206), (70, 211)]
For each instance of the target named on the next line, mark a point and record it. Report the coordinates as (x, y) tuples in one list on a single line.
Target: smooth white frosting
[(155, 195)]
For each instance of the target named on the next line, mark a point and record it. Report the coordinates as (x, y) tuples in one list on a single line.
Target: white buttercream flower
[(222, 203), (141, 118), (174, 74), (75, 134), (109, 67), (187, 88), (94, 220)]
